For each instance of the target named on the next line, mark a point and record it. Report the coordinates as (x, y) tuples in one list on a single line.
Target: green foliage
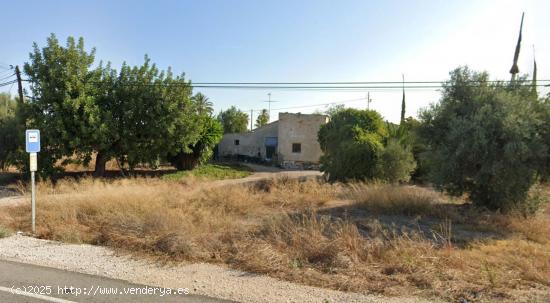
[(147, 114), (7, 105), (200, 151), (212, 172), (204, 105), (8, 130), (333, 109), (139, 114), (64, 108), (263, 118), (358, 145), (396, 162), (410, 138), (233, 120), (485, 139)]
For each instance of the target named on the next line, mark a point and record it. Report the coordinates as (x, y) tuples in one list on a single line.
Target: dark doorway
[(269, 151), (270, 147)]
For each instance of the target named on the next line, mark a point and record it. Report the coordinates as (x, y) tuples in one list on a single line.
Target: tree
[(396, 162), (136, 115), (8, 130), (201, 151), (263, 118), (233, 120), (545, 132), (403, 105), (333, 109), (7, 105), (63, 105), (485, 139), (352, 142), (204, 106), (358, 145)]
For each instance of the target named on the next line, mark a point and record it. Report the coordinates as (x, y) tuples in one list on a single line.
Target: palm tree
[(204, 106)]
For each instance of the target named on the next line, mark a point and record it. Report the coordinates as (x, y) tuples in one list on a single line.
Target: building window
[(237, 142), (296, 147)]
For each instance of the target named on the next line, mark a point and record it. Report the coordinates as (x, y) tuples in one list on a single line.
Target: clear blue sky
[(293, 41)]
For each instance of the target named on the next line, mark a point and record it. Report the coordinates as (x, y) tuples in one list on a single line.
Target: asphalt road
[(36, 284)]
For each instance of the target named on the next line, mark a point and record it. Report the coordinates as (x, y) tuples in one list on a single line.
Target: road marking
[(36, 296)]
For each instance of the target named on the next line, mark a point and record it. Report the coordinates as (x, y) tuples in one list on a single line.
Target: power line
[(8, 83), (339, 83), (315, 105), (7, 76)]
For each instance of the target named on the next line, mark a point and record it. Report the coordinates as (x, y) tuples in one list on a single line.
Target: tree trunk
[(183, 161), (100, 162)]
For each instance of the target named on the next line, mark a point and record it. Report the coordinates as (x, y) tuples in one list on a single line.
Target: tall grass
[(287, 229)]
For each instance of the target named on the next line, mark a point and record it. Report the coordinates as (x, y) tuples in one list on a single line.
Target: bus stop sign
[(32, 140)]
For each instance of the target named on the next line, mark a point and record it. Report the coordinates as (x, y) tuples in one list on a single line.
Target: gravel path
[(201, 279)]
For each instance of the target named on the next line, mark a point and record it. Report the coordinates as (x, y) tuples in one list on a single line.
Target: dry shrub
[(281, 192), (401, 200), (274, 227)]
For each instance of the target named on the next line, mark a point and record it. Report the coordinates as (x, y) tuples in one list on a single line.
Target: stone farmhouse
[(290, 142)]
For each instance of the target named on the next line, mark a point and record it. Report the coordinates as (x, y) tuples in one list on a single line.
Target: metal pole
[(33, 202)]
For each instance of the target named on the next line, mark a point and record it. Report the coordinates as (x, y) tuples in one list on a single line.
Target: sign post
[(32, 144)]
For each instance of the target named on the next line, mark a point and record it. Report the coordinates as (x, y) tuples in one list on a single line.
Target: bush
[(396, 163), (358, 145), (484, 139), (352, 143)]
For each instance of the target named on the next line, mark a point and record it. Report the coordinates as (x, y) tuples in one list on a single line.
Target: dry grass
[(293, 230)]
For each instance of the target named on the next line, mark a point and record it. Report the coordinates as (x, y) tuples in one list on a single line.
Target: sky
[(293, 41)]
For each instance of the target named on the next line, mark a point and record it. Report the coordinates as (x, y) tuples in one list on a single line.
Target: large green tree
[(486, 139), (233, 120), (139, 114), (63, 106)]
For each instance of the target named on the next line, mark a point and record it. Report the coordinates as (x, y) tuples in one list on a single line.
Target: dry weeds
[(291, 230)]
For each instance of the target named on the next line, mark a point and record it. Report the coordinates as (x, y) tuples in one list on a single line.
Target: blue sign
[(32, 140)]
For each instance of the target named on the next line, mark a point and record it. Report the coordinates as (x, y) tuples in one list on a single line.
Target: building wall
[(303, 129), (250, 143)]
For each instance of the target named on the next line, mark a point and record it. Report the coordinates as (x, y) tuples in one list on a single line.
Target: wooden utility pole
[(251, 119), (19, 84)]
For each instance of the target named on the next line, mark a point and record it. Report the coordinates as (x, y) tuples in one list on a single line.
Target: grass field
[(390, 240), (212, 172)]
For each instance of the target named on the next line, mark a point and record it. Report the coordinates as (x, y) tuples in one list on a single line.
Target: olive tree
[(485, 139)]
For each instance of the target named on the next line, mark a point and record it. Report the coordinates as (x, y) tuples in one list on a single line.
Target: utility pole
[(269, 106), (20, 86), (251, 119), (368, 100)]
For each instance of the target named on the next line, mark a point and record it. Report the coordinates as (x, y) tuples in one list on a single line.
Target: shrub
[(352, 143), (358, 145), (484, 139), (396, 163)]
